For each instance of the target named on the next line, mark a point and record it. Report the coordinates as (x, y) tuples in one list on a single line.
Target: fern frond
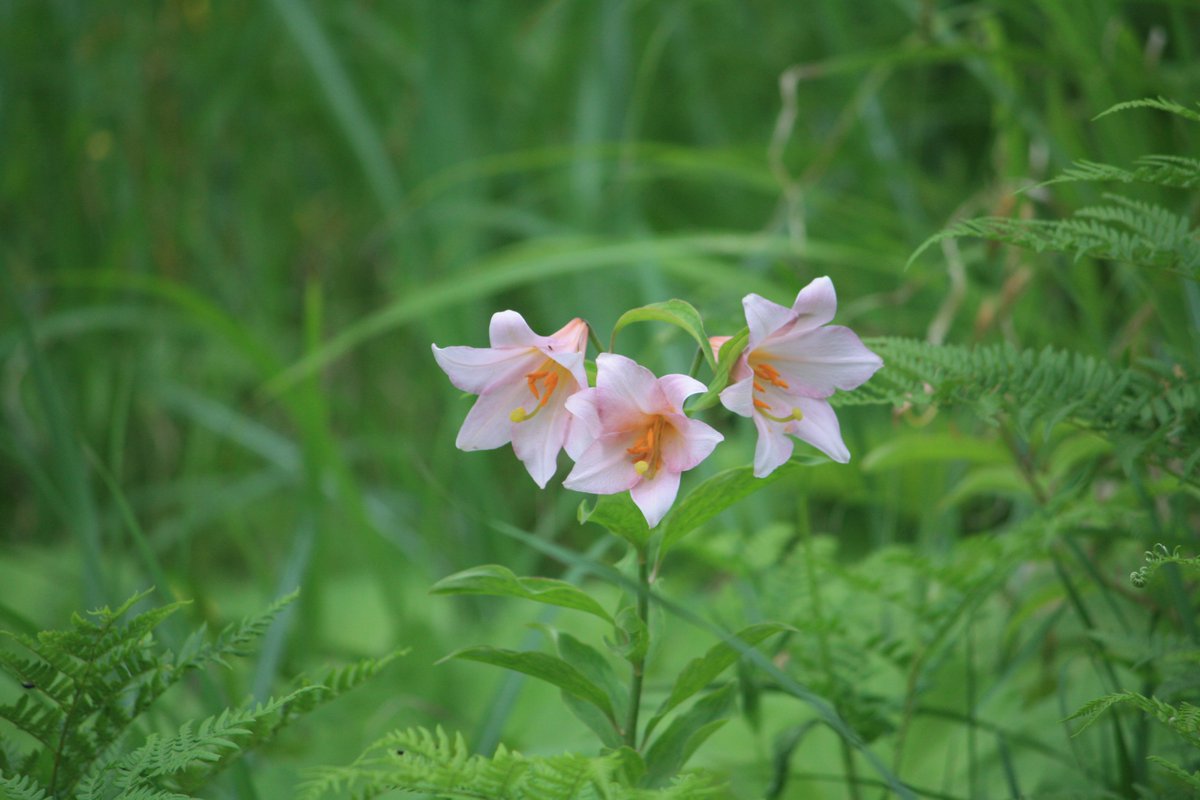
[(18, 788), (235, 639), (1156, 558), (432, 762), (1161, 170), (1183, 719), (198, 750), (1128, 231), (86, 684), (335, 682), (1189, 779), (1043, 387), (1160, 103), (74, 703)]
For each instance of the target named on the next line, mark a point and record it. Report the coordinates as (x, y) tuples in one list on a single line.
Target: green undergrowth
[(230, 232)]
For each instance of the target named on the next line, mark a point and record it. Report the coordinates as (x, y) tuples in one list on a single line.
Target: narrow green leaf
[(699, 672), (915, 449), (726, 358), (498, 581), (718, 493), (594, 719), (551, 669), (620, 516), (677, 312), (596, 667), (686, 733)]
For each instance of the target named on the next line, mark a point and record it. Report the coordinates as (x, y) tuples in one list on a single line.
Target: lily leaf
[(596, 668), (699, 672), (677, 312), (620, 516), (632, 637), (686, 733), (718, 493), (726, 358), (498, 581), (551, 669)]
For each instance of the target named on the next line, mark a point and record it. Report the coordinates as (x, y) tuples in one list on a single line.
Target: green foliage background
[(229, 232)]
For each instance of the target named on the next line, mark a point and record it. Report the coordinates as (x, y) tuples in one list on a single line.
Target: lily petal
[(678, 388), (603, 468), (578, 437), (585, 407), (739, 397), (773, 447), (691, 442), (629, 383), (488, 424), (571, 337), (474, 369), (817, 362), (820, 428), (764, 318), (537, 440), (815, 305), (509, 329), (716, 342), (604, 411), (654, 497)]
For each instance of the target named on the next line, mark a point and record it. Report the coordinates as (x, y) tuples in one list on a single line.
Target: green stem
[(639, 664), (814, 595), (595, 340)]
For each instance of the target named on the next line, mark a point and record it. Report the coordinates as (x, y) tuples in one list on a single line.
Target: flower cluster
[(629, 432)]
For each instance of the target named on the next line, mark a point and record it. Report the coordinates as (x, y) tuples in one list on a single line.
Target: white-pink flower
[(634, 435), (793, 361), (523, 381)]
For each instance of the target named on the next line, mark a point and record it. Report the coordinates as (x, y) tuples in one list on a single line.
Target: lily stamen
[(765, 410), (646, 451), (769, 374), (549, 379)]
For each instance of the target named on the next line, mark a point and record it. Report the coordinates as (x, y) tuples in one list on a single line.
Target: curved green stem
[(823, 650), (639, 663)]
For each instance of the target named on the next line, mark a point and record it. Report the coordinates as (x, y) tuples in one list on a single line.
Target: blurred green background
[(230, 231)]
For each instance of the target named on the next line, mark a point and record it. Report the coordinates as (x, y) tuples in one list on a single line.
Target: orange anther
[(758, 387), (550, 384), (645, 452), (761, 405), (770, 374)]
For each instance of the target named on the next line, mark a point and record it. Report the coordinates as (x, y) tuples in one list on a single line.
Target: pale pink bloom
[(523, 381), (636, 437), (793, 361)]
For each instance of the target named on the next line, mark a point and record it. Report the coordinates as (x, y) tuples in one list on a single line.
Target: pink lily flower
[(523, 381), (636, 437), (793, 361)]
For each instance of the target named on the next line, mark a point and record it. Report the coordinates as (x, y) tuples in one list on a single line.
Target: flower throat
[(647, 451)]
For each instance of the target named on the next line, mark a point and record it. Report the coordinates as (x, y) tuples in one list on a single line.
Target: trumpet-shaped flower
[(635, 436), (793, 361), (523, 381)]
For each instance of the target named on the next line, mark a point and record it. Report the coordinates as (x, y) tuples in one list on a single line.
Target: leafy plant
[(85, 688), (433, 762), (1125, 229)]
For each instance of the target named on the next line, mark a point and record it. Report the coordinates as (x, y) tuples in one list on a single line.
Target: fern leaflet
[(433, 762)]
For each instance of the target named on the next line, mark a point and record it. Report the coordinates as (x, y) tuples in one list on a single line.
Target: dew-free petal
[(820, 428), (655, 497), (815, 305), (474, 369), (603, 468), (816, 363), (764, 318)]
